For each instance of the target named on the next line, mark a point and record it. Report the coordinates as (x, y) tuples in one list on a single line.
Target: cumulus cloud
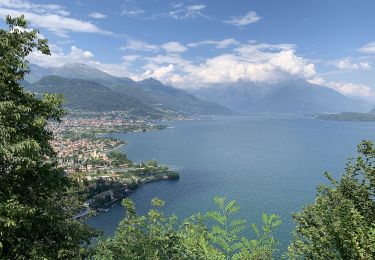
[(49, 16), (218, 44), (274, 68), (97, 15), (249, 18), (173, 47), (346, 88), (59, 58), (368, 48), (159, 72), (351, 89), (347, 64), (252, 62)]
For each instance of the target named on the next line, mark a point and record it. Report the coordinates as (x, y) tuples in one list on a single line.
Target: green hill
[(90, 96)]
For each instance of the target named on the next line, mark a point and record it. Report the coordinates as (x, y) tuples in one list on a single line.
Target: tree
[(227, 233), (340, 224), (36, 215), (215, 235)]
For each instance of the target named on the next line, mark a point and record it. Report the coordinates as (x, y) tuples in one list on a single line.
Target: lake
[(267, 164)]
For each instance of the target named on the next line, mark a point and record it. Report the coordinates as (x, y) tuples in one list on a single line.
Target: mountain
[(303, 97), (291, 97), (180, 100), (91, 96), (149, 91), (74, 71), (238, 96)]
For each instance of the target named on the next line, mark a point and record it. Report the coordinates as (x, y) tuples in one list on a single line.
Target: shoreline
[(129, 178), (90, 211)]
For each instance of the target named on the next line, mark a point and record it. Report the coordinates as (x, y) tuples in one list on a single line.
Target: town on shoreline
[(86, 153)]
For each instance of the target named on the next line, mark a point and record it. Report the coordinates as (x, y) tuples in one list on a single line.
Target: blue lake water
[(267, 164)]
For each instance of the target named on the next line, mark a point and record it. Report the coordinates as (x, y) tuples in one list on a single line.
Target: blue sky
[(192, 44)]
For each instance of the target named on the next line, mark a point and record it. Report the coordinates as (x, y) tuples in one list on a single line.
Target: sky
[(192, 44)]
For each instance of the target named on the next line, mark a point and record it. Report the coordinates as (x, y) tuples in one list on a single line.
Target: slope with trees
[(35, 211)]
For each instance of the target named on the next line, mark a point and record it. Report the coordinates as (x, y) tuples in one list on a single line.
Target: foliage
[(35, 213), (226, 234), (156, 236), (152, 163), (118, 158), (341, 222), (172, 175)]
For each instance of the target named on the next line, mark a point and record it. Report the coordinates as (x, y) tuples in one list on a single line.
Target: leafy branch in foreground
[(226, 233), (340, 224), (156, 236)]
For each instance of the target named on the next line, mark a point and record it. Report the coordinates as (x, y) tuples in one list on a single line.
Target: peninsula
[(86, 153)]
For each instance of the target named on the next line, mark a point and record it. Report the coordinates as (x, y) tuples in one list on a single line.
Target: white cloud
[(131, 9), (159, 72), (347, 64), (218, 44), (132, 12), (368, 48), (351, 89), (32, 7), (178, 11), (318, 81), (130, 58), (97, 15), (181, 11), (170, 58), (136, 45), (275, 67), (251, 62), (249, 18), (59, 58), (173, 47), (49, 16), (346, 88)]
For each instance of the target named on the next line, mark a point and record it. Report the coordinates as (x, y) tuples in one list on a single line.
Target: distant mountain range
[(291, 97), (87, 88)]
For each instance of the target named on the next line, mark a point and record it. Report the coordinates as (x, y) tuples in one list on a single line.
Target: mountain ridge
[(87, 95), (148, 91), (288, 97)]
